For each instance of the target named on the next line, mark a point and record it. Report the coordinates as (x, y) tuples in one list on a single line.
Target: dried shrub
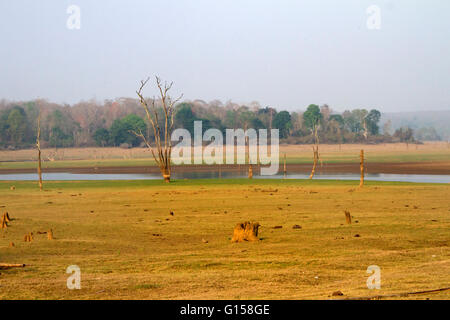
[(246, 231)]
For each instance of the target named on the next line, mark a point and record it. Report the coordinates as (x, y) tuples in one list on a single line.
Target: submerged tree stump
[(246, 231)]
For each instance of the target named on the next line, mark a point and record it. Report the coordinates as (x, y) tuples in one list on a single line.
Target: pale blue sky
[(286, 54)]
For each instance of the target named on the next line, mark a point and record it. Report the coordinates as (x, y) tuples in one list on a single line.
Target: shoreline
[(375, 167)]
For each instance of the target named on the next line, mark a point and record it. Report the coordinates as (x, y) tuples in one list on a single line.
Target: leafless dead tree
[(315, 150), (38, 146), (163, 145), (361, 164)]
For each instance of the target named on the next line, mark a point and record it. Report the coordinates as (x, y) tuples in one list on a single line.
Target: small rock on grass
[(337, 293), (296, 226)]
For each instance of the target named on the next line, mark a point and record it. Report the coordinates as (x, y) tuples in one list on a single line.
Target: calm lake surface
[(428, 178)]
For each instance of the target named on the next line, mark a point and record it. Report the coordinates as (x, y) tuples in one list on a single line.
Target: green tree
[(101, 137), (58, 138), (338, 119), (17, 125), (61, 128), (4, 134), (282, 121), (372, 120), (184, 117), (312, 117), (256, 124), (122, 130)]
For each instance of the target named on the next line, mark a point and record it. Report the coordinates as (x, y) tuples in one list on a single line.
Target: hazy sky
[(286, 54)]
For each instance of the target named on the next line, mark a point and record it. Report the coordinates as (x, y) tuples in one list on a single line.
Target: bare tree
[(162, 132), (315, 150), (38, 146), (311, 119), (361, 165)]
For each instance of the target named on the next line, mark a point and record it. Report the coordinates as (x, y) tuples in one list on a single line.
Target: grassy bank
[(127, 245), (295, 154)]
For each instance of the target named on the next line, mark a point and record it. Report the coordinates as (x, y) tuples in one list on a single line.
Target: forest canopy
[(111, 123)]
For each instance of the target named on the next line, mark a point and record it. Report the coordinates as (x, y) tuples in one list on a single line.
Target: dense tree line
[(112, 122)]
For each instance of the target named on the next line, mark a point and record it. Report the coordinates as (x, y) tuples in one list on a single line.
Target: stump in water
[(316, 158), (361, 165), (166, 175), (246, 231), (348, 217), (50, 234)]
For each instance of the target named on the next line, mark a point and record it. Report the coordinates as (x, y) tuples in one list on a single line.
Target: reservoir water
[(66, 176)]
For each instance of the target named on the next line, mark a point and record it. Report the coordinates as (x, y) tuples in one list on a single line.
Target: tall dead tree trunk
[(361, 165), (38, 146), (315, 151), (162, 137), (365, 133), (247, 151)]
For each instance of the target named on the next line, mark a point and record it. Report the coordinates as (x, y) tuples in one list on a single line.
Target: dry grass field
[(295, 154), (128, 246)]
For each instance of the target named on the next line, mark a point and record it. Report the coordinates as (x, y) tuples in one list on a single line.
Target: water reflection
[(226, 175)]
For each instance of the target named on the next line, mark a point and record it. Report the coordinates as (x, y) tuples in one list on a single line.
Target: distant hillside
[(426, 124)]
